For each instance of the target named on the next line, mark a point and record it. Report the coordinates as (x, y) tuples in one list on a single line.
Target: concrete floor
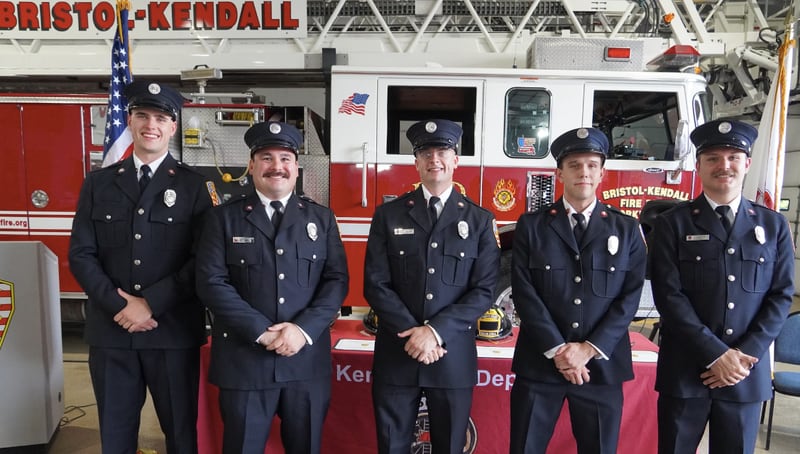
[(78, 433)]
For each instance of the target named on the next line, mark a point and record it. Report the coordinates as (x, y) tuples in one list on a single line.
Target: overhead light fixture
[(201, 72)]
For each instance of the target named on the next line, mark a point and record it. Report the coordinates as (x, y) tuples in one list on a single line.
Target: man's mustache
[(277, 173)]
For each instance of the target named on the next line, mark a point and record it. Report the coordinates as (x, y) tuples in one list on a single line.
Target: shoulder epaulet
[(466, 197), (405, 195), (183, 166), (114, 167), (550, 209), (306, 199), (612, 208)]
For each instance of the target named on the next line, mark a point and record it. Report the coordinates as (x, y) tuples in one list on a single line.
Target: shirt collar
[(153, 165), (266, 200), (734, 205), (587, 213), (442, 197)]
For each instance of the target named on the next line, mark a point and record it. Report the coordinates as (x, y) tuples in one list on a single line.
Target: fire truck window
[(410, 104), (527, 133), (640, 125), (98, 128)]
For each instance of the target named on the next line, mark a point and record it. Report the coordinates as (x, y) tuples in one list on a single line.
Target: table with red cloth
[(350, 427)]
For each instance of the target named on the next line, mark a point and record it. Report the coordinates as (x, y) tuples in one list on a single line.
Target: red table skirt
[(349, 425)]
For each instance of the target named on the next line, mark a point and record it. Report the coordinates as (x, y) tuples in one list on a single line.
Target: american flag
[(764, 181), (355, 103), (118, 143)]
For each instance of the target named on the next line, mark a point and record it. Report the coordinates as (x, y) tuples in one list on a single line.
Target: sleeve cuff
[(600, 354), (435, 333), (550, 354), (305, 334)]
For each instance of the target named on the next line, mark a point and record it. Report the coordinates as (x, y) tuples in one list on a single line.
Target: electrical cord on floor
[(70, 410)]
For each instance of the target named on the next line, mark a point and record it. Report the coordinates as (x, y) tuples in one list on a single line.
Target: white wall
[(791, 188)]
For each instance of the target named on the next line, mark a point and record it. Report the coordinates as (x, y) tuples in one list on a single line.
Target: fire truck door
[(53, 143), (13, 209), (403, 102)]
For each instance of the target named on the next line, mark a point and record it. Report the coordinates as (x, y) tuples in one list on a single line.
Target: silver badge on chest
[(170, 196), (761, 237), (613, 244), (463, 229), (311, 229)]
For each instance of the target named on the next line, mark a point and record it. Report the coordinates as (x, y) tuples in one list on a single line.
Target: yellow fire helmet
[(494, 324)]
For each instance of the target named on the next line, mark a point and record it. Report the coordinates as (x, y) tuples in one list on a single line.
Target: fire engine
[(509, 117)]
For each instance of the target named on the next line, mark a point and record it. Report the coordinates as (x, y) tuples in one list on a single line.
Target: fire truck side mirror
[(683, 148)]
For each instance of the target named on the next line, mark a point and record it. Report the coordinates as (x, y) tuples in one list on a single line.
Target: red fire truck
[(509, 118)]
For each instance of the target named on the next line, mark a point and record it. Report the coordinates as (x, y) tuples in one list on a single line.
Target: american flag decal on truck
[(355, 103)]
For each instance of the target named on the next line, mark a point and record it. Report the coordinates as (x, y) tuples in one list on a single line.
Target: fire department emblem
[(504, 195), (6, 307), (154, 88), (422, 433)]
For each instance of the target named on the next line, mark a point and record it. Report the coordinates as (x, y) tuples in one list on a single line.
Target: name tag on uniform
[(403, 231), (243, 239), (697, 237)]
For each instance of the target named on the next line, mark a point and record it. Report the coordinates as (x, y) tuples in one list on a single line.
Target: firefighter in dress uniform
[(273, 272), (722, 281), (431, 265), (131, 250), (577, 274)]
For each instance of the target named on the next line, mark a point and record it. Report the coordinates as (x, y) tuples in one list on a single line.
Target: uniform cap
[(439, 133), (581, 140), (273, 134), (724, 133), (146, 93)]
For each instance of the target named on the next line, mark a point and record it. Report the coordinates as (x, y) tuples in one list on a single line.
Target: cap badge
[(311, 229), (169, 197), (154, 88), (431, 127), (463, 229), (275, 128), (582, 133), (725, 127)]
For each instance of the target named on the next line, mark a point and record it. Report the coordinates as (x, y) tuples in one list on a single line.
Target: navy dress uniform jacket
[(414, 275), (252, 277), (565, 292), (715, 292), (143, 244)]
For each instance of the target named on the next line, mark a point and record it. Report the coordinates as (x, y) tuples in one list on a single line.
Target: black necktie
[(580, 226), (724, 217), (277, 213), (432, 209), (145, 178)]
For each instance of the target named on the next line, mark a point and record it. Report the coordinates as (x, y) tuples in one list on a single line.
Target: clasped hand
[(422, 345), (136, 316), (571, 359), (284, 338), (729, 369)]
